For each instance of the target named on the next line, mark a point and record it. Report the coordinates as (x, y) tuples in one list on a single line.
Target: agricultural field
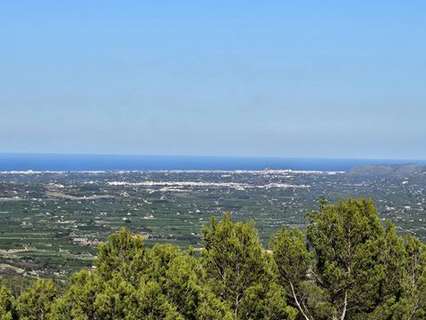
[(51, 222)]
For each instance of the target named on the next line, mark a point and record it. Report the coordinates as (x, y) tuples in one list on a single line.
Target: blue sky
[(343, 79)]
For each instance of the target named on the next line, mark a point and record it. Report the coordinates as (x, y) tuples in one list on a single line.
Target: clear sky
[(342, 79)]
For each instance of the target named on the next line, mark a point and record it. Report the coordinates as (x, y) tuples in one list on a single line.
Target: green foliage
[(291, 255), (350, 266), (213, 308), (78, 301), (35, 303), (239, 271), (123, 254), (294, 264), (345, 238), (148, 302), (7, 311), (345, 265)]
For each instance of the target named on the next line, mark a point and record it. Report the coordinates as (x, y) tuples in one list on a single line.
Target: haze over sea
[(86, 162)]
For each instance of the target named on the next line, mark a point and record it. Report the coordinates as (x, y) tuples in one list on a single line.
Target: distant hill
[(391, 170)]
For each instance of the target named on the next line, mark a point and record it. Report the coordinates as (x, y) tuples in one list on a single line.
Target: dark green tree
[(124, 254), (410, 303), (240, 272), (35, 302), (78, 300), (295, 272), (149, 303), (7, 311), (344, 237)]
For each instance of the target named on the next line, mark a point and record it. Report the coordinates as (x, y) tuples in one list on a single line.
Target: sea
[(86, 162)]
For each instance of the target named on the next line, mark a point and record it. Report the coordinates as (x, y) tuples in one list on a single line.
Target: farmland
[(51, 222)]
